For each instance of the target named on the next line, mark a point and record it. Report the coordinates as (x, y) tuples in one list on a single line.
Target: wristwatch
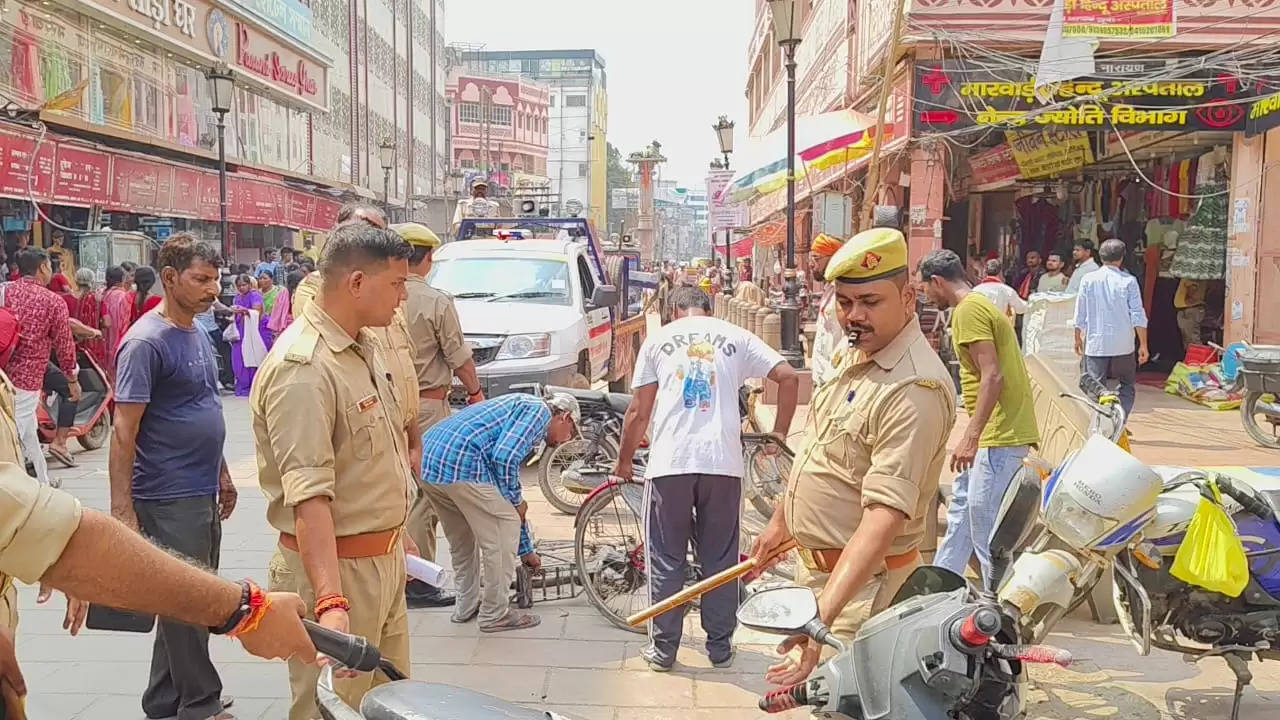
[(242, 611)]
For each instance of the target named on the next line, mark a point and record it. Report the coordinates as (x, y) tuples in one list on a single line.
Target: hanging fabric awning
[(822, 141), (770, 234), (738, 249)]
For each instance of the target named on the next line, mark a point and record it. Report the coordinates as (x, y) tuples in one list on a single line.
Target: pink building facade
[(500, 129)]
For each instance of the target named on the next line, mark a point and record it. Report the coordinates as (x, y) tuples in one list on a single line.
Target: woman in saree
[(247, 298)]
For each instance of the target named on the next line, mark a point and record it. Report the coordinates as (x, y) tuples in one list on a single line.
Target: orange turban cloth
[(826, 245)]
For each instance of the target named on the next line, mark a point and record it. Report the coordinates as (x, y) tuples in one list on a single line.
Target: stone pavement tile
[(620, 688), (90, 646), (595, 627), (105, 677), (450, 650), (40, 707), (437, 623), (511, 650), (576, 712), (729, 691), (513, 684)]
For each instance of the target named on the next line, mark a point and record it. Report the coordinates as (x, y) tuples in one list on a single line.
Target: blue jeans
[(975, 502)]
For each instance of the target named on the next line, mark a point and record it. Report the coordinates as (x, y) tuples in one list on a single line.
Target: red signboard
[(16, 167), (994, 168), (71, 173), (81, 176), (140, 185)]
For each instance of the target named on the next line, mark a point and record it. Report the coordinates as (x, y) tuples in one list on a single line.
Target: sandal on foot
[(62, 456), (512, 621)]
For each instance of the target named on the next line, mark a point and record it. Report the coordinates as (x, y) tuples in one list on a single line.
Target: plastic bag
[(253, 349), (1211, 555), (230, 333)]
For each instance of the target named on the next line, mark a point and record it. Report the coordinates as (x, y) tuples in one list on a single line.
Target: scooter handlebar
[(352, 651), (1247, 499)]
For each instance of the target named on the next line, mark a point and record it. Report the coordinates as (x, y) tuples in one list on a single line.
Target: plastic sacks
[(1211, 555)]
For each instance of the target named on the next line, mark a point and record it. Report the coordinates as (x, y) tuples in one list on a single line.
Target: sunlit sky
[(674, 66)]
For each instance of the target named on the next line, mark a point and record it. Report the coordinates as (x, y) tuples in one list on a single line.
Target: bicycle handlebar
[(767, 438)]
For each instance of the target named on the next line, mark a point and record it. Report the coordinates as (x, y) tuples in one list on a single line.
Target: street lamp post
[(221, 85), (387, 156), (786, 32), (724, 135)]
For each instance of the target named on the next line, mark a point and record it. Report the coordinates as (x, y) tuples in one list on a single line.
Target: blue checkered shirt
[(486, 444)]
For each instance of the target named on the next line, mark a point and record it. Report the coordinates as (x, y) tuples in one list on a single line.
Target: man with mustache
[(874, 446), (168, 477)]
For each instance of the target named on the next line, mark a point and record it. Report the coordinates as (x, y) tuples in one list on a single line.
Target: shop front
[(1116, 155)]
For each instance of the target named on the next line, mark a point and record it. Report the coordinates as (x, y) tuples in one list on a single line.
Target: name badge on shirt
[(367, 402)]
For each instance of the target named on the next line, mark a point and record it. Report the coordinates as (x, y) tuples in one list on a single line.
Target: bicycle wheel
[(608, 545), (573, 454), (766, 477)]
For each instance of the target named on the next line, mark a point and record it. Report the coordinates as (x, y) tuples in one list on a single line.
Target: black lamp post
[(786, 31), (221, 85), (387, 156), (724, 134)]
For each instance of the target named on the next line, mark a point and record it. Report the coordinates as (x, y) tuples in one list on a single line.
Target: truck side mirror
[(604, 296)]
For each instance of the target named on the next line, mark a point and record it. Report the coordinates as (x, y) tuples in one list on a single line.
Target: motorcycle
[(601, 434), (92, 425), (941, 650), (402, 698), (1110, 511), (1259, 377)]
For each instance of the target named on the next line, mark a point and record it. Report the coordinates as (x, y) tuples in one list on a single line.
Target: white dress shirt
[(1108, 309), (1084, 268), (1003, 297)]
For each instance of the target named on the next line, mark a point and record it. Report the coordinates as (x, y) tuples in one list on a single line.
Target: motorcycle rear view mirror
[(782, 611), (1019, 510)]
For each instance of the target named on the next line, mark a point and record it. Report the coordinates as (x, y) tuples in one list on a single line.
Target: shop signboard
[(16, 169), (288, 16), (1118, 19), (1049, 152), (993, 169), (1264, 114), (956, 94), (140, 186), (81, 176), (722, 213)]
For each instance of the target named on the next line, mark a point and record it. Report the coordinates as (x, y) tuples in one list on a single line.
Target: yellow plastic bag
[(1211, 555)]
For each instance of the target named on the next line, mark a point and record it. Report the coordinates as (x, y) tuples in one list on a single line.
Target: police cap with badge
[(876, 254)]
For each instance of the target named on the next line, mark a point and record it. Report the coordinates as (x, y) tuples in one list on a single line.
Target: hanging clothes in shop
[(1202, 246), (1040, 224)]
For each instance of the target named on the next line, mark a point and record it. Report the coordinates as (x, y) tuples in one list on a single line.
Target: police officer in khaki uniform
[(874, 445), (10, 452), (439, 354), (328, 424)]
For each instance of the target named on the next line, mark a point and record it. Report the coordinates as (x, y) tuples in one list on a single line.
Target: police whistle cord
[(698, 589)]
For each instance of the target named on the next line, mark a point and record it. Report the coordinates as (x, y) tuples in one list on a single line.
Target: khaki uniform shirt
[(876, 435), (438, 345), (327, 422), (10, 444), (396, 347), (36, 523)]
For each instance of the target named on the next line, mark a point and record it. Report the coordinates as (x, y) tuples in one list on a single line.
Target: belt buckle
[(810, 561)]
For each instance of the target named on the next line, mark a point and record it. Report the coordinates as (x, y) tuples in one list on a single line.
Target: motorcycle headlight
[(1073, 522), (519, 347)]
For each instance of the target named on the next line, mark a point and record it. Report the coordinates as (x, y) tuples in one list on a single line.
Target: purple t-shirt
[(172, 370)]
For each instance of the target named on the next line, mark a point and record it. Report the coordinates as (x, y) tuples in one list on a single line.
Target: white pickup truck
[(533, 302)]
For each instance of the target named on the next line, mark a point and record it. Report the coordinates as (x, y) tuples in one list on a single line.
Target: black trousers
[(183, 680), (56, 382), (673, 502), (223, 350)]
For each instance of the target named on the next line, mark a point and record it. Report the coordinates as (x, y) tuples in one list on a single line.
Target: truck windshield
[(544, 282)]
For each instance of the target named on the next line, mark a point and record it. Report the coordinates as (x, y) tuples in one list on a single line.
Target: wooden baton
[(704, 586)]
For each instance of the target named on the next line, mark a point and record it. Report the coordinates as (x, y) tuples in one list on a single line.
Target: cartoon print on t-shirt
[(700, 376)]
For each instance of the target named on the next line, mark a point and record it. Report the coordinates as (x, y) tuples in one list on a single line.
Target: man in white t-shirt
[(1004, 297), (687, 379)]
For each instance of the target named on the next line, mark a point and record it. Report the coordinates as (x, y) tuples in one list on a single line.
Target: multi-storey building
[(578, 117), (500, 130)]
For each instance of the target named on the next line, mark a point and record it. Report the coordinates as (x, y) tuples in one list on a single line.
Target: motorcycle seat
[(618, 402), (416, 700), (1273, 499)]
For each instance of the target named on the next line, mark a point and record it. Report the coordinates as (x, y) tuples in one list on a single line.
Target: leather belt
[(824, 561), (364, 545), (439, 393)]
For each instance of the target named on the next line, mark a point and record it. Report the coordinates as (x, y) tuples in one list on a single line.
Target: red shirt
[(42, 317)]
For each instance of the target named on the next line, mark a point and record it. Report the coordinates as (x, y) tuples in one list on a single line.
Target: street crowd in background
[(368, 352)]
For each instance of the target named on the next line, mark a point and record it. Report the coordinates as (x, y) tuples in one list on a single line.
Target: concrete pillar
[(761, 314), (772, 330), (928, 199), (1247, 187)]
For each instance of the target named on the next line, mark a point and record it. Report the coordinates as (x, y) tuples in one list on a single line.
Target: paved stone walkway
[(574, 663)]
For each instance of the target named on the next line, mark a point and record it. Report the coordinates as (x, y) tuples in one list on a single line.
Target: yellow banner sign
[(1049, 152)]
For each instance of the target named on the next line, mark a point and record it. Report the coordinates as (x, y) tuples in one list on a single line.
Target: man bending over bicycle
[(689, 372)]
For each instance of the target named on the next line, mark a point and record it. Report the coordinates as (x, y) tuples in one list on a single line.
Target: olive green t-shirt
[(1013, 422)]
